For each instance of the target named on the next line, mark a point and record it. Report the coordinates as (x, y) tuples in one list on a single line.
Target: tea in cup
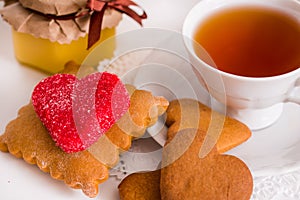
[(247, 55)]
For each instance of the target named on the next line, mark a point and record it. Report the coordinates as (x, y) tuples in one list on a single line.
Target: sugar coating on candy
[(78, 112), (51, 99), (110, 100)]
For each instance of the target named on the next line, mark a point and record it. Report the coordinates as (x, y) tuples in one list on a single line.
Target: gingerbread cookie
[(212, 177), (189, 113), (26, 137), (133, 124)]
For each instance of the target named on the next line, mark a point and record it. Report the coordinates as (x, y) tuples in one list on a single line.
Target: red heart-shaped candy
[(76, 112)]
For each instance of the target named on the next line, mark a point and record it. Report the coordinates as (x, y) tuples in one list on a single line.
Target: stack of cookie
[(185, 172), (29, 138)]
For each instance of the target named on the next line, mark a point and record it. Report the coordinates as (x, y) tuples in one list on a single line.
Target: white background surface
[(273, 154)]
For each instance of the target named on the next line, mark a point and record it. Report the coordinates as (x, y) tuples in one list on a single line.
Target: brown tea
[(253, 42)]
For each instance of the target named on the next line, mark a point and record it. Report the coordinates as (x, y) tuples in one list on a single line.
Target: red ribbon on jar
[(98, 8)]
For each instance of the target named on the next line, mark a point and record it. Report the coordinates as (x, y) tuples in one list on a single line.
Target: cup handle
[(294, 95)]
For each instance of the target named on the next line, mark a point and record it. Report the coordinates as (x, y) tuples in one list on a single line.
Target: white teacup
[(257, 102)]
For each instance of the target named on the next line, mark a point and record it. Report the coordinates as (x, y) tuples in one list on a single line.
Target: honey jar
[(48, 34)]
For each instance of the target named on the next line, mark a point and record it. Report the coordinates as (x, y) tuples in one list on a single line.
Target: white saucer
[(276, 149)]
